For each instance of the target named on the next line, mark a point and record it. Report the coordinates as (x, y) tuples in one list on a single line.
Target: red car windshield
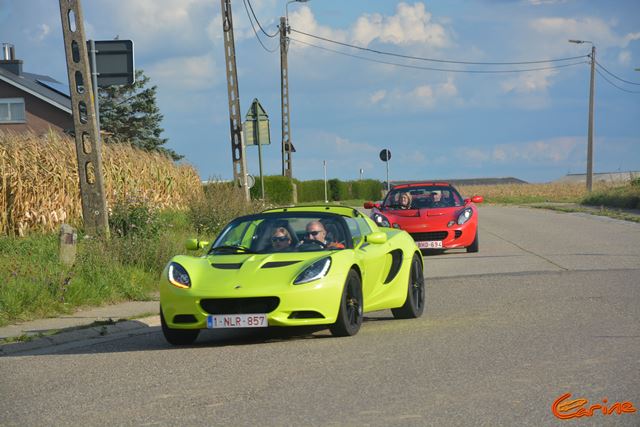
[(428, 196)]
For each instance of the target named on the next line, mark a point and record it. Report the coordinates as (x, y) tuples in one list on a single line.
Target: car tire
[(475, 246), (178, 336), (414, 304), (350, 314)]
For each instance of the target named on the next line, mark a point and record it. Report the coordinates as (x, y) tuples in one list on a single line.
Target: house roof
[(40, 86)]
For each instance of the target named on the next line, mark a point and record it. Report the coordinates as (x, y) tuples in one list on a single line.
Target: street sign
[(114, 62), (256, 127), (385, 155)]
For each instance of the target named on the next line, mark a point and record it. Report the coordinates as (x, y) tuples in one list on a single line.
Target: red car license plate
[(431, 244)]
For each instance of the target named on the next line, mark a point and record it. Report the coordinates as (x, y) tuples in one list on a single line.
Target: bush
[(134, 217), (278, 189), (221, 202), (626, 197), (310, 191)]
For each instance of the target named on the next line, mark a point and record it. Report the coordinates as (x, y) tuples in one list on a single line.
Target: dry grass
[(532, 193), (40, 190)]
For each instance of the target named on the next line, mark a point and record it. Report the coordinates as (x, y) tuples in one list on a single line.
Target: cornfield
[(40, 189)]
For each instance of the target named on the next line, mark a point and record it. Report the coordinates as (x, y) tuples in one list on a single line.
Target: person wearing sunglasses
[(316, 231), (280, 239)]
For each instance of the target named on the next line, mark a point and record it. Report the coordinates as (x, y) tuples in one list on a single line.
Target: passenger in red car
[(405, 201)]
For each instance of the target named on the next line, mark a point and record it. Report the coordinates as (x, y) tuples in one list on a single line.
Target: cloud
[(624, 57), (421, 97), (554, 151), (529, 82), (377, 96), (186, 73), (344, 146), (40, 33), (629, 38), (410, 25)]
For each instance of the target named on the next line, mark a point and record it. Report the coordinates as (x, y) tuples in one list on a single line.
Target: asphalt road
[(550, 305)]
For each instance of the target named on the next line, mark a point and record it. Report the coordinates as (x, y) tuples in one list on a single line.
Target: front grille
[(458, 233), (240, 305), (432, 235)]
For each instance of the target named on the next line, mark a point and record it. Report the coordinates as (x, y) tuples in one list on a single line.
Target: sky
[(344, 110)]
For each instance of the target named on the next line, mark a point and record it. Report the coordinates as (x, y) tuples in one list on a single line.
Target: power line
[(613, 75), (615, 85), (258, 22), (438, 69), (254, 29), (419, 58)]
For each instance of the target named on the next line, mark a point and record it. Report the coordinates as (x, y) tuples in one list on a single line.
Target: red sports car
[(434, 213)]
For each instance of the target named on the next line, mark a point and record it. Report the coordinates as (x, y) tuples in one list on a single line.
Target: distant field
[(533, 193)]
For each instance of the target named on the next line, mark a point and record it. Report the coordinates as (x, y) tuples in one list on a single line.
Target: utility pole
[(591, 102), (87, 138), (235, 121), (590, 137), (287, 145)]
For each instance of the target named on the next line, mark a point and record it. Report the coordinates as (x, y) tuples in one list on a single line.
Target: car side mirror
[(368, 205), (376, 238), (477, 199), (195, 244)]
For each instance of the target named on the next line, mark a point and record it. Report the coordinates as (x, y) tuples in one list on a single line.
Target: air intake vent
[(276, 264), (227, 266), (433, 235)]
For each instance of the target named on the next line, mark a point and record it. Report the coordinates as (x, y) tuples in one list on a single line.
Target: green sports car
[(292, 266)]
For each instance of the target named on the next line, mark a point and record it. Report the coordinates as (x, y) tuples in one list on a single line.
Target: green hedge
[(277, 189)]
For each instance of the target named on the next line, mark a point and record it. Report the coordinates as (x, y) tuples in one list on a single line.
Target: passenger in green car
[(281, 239)]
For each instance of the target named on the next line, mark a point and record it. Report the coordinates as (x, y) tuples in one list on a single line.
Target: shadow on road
[(142, 337)]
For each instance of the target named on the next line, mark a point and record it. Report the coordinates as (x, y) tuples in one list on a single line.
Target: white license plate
[(432, 244), (237, 321)]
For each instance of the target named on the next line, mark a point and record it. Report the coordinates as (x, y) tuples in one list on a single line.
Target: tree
[(130, 114)]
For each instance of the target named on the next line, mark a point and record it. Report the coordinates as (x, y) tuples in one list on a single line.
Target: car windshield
[(427, 196), (283, 232)]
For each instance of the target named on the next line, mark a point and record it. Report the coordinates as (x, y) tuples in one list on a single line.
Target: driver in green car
[(316, 231)]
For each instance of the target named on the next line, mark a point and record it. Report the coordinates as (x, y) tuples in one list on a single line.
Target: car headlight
[(315, 271), (381, 220), (465, 216), (178, 276)]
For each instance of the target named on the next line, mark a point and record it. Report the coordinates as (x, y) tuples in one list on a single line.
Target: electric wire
[(254, 29), (419, 58), (450, 70), (258, 22), (615, 85), (613, 75)]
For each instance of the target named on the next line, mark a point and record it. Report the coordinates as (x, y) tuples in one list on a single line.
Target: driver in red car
[(316, 231)]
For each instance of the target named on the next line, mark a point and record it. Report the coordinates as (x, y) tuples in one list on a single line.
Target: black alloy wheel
[(414, 304), (350, 314)]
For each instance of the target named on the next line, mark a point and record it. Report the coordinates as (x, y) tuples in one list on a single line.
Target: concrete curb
[(78, 337)]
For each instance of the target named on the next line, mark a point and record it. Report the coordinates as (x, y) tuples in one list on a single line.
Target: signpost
[(256, 132), (385, 156)]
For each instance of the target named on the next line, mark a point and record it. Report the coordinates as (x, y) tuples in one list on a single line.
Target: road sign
[(385, 155), (256, 127), (114, 62)]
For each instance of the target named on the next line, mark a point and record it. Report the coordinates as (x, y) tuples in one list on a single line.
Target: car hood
[(259, 272)]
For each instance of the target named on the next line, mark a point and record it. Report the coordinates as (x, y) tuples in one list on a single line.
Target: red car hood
[(417, 220), (413, 213)]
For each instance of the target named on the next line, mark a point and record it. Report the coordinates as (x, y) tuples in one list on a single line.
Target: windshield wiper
[(233, 248)]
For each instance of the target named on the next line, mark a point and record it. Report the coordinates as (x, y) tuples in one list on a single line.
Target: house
[(31, 102)]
